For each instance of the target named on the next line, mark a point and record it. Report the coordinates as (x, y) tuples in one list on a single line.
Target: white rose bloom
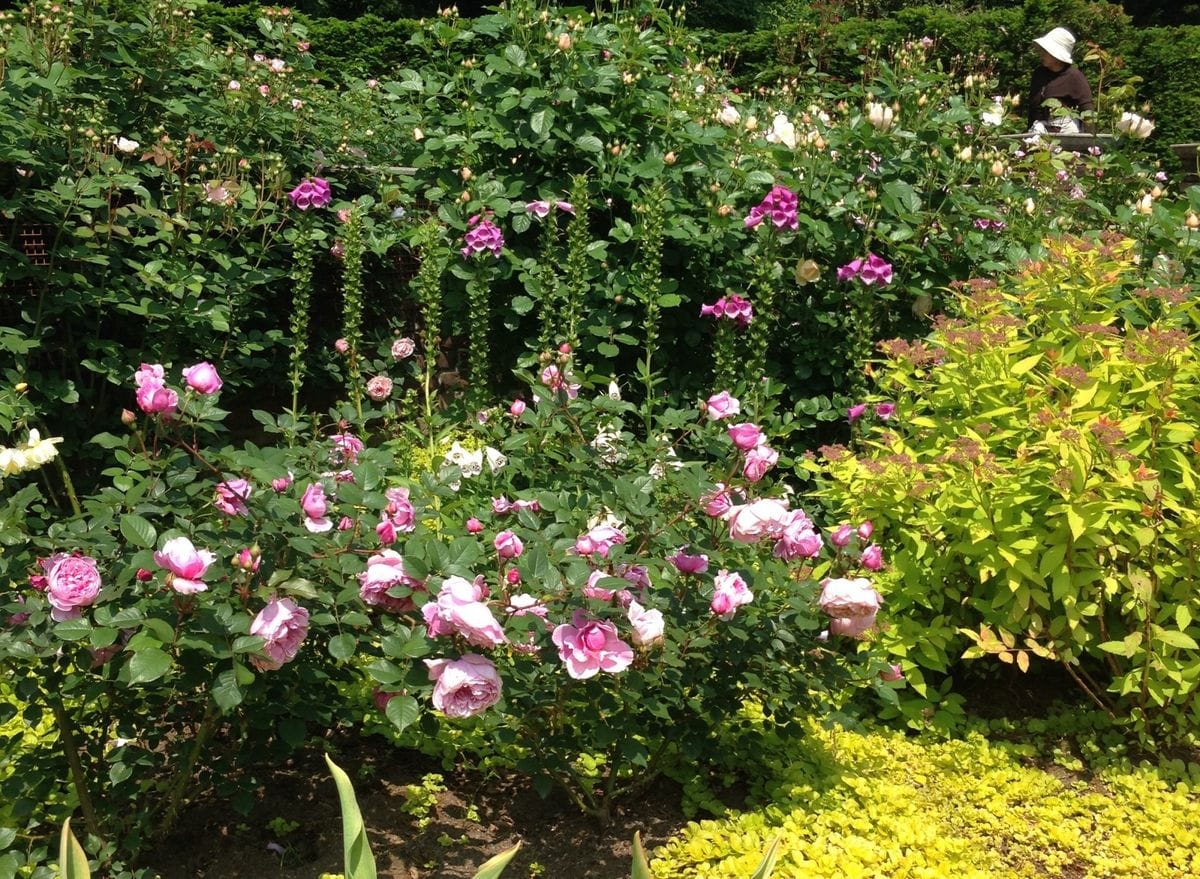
[(125, 145), (880, 115), (782, 131), (728, 115)]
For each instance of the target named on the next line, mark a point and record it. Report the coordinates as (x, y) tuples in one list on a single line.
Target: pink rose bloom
[(599, 540), (403, 348), (759, 461), (474, 526), (341, 346), (459, 610), (865, 530), (315, 509), (282, 625), (718, 502), (231, 497), (386, 531), (591, 590), (855, 412), (186, 564), (400, 509), (722, 405), (72, 582), (203, 378), (517, 409), (345, 523), (851, 627), (521, 604), (385, 570), (892, 673), (379, 388), (346, 448), (730, 592), (508, 545), (280, 484), (842, 598), (688, 564), (638, 575), (746, 436), (464, 687), (589, 646), (647, 625), (749, 523), (872, 557), (153, 396), (799, 538), (842, 536), (501, 505)]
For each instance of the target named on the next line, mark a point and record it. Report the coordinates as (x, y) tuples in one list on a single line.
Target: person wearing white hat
[(1057, 79)]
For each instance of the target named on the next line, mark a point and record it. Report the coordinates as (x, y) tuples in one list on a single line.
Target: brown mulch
[(213, 842)]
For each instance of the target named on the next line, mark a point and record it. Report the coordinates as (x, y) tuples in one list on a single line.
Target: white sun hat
[(1058, 43)]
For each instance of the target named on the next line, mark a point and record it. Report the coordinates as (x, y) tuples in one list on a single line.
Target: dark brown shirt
[(1067, 86)]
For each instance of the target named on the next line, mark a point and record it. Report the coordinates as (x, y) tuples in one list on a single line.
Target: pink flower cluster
[(502, 506), (589, 646), (313, 192), (850, 604), (779, 206), (731, 307), (760, 458), (153, 395), (599, 540), (871, 556), (874, 270), (541, 209), (729, 593), (793, 531), (283, 626), (231, 495), (482, 235), (385, 571), (346, 448), (459, 610), (721, 405), (398, 516), (70, 580)]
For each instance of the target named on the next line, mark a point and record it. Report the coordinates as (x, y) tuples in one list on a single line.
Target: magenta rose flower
[(474, 526), (315, 509), (459, 610), (842, 536), (346, 448), (599, 540), (508, 545), (718, 502), (799, 538), (282, 625), (231, 496), (385, 571), (688, 564), (730, 592), (865, 530), (280, 484), (746, 435), (203, 378), (872, 557), (766, 517), (464, 687), (72, 582), (153, 396), (722, 405), (186, 565), (647, 625), (588, 647), (759, 461)]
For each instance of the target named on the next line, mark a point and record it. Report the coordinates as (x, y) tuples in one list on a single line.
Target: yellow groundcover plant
[(881, 805)]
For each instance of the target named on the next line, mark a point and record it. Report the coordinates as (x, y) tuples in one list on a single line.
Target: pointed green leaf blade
[(641, 866), (493, 868), (72, 862), (768, 862), (360, 863)]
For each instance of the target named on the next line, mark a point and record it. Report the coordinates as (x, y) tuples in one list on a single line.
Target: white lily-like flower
[(1135, 126), (880, 115)]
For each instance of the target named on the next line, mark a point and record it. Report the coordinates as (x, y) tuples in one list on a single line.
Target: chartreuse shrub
[(882, 805), (1037, 479)]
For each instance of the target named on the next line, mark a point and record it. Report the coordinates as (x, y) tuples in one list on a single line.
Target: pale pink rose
[(400, 509), (341, 346), (588, 647), (798, 539), (851, 627), (501, 505), (282, 625), (345, 524), (386, 531), (842, 536), (203, 378), (591, 590), (599, 540), (766, 517), (186, 564), (849, 598), (459, 610), (688, 564), (718, 502), (474, 526), (865, 530), (647, 625), (517, 408), (231, 496), (72, 582), (730, 592), (522, 604), (346, 448), (385, 571), (315, 509), (722, 405), (759, 460), (233, 85), (872, 557), (892, 673), (403, 348), (638, 575), (280, 484), (464, 687), (508, 545), (379, 388), (746, 435)]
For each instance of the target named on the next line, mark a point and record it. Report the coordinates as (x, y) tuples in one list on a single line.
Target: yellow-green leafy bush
[(881, 805)]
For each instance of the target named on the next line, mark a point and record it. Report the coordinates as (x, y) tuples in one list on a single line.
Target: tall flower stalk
[(578, 239), (779, 212), (482, 237), (648, 283), (302, 281), (428, 285), (547, 278), (352, 303)]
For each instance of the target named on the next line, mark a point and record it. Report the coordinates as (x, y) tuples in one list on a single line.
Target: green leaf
[(494, 867), (403, 711), (768, 862), (1120, 648), (7, 835), (540, 122), (1076, 523), (1177, 639), (360, 863), (515, 56), (72, 862), (342, 646), (641, 866), (73, 630), (148, 664), (1023, 366), (589, 143), (226, 692), (138, 531)]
